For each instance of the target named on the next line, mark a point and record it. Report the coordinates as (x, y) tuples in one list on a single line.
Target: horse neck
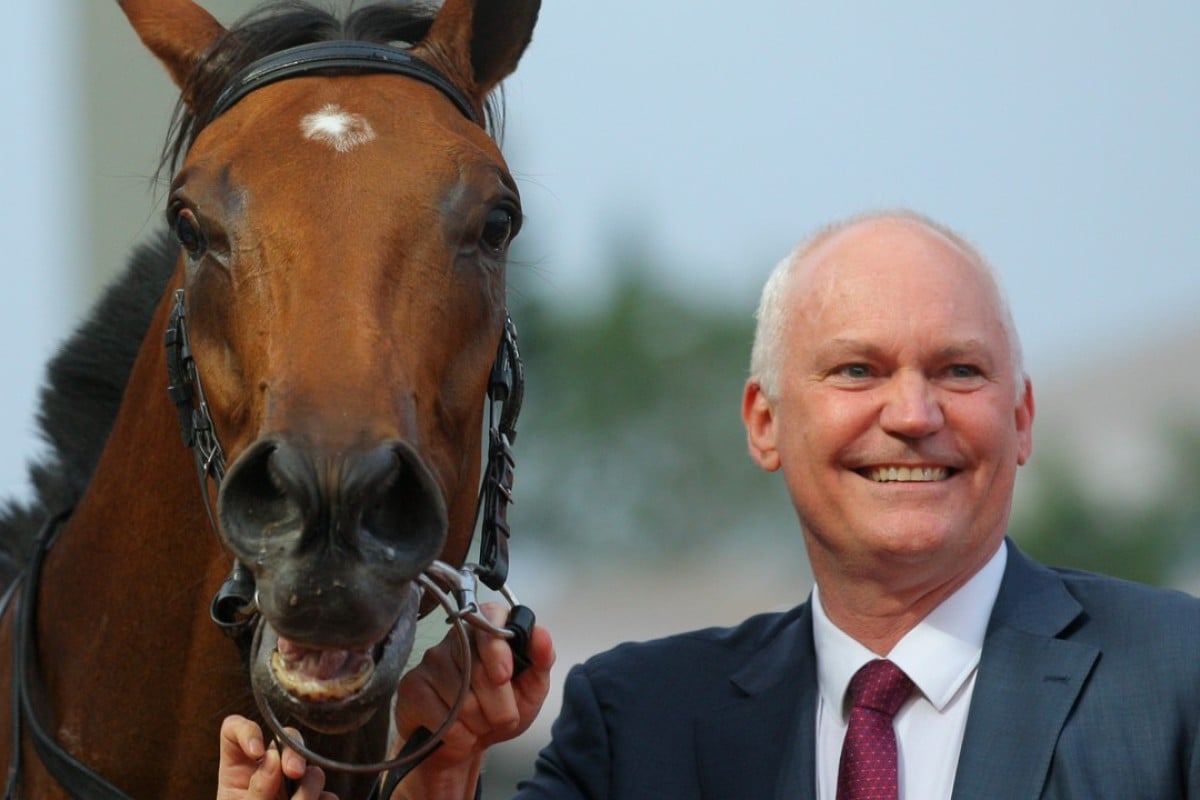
[(137, 676)]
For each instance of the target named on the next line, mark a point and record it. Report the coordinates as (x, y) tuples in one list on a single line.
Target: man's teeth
[(907, 474)]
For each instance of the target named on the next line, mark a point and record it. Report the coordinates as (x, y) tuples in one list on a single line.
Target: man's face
[(898, 425)]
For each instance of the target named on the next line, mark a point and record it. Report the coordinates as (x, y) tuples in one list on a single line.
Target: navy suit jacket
[(1088, 688)]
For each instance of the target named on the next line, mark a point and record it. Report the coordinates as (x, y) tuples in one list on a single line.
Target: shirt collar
[(939, 654)]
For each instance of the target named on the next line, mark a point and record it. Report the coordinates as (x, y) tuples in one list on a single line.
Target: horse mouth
[(319, 675), (329, 688)]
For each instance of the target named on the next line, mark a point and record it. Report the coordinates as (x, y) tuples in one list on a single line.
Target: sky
[(36, 166), (1060, 137)]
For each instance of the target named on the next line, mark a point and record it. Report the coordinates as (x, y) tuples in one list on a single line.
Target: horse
[(323, 322)]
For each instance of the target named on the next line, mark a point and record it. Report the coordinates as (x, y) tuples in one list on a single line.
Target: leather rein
[(233, 607)]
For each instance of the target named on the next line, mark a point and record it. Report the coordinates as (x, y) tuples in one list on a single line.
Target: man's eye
[(963, 371), (855, 371)]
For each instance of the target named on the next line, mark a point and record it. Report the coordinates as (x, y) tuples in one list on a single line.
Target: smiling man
[(887, 384), (933, 659)]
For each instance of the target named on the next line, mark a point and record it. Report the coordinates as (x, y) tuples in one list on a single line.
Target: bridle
[(233, 607)]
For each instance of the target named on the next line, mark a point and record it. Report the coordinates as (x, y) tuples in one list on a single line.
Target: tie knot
[(880, 686)]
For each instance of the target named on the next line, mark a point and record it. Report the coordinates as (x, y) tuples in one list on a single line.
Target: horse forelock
[(282, 24), (81, 396)]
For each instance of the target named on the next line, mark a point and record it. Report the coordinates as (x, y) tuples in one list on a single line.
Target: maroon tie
[(868, 767)]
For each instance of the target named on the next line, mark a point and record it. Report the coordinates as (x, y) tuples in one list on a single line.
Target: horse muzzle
[(335, 544)]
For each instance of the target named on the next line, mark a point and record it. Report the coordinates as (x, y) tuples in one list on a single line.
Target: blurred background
[(669, 153)]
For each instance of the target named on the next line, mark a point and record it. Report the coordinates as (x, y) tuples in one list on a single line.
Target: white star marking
[(337, 128)]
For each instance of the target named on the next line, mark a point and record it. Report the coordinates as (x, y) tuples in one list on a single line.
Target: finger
[(534, 683), (532, 686), (491, 709), (241, 739), (241, 754), (494, 653), (267, 781), (295, 766), (541, 649)]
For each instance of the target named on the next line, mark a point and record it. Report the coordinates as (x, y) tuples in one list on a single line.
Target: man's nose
[(911, 409)]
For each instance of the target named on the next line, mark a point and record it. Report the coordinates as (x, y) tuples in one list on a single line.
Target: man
[(887, 386)]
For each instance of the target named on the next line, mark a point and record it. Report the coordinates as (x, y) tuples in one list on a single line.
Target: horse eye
[(497, 230), (187, 231)]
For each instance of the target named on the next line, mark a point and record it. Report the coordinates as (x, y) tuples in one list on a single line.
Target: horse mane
[(79, 400), (282, 24)]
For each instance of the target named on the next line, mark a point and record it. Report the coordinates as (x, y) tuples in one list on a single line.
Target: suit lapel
[(761, 742), (1027, 683)]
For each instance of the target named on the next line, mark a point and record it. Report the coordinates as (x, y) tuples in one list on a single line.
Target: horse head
[(343, 235)]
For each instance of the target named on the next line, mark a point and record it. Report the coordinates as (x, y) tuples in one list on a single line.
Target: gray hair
[(766, 355)]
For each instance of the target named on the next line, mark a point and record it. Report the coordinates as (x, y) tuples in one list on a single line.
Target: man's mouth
[(893, 474)]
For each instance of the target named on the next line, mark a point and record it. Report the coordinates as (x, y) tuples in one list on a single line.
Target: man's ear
[(758, 414), (1025, 410)]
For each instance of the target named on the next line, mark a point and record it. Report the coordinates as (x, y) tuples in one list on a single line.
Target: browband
[(345, 56)]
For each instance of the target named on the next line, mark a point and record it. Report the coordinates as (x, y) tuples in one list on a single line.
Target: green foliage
[(630, 442)]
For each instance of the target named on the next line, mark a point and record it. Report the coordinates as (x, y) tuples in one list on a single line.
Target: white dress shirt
[(941, 655)]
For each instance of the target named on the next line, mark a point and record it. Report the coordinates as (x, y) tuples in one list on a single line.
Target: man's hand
[(250, 770), (498, 707)]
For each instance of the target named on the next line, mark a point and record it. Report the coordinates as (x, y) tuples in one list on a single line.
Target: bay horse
[(324, 321)]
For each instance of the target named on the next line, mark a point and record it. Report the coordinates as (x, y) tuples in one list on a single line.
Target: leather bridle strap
[(506, 390), (336, 56), (76, 777)]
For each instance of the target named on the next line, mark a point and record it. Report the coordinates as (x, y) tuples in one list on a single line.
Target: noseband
[(233, 607)]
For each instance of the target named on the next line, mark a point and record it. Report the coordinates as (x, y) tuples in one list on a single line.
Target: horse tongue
[(319, 664)]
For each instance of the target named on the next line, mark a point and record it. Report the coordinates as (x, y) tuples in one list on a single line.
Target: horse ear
[(178, 32), (481, 40)]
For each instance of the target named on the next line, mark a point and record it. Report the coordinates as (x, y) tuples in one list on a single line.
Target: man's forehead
[(882, 242), (882, 256)]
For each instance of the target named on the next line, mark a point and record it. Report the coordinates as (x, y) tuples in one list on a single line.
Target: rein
[(28, 693), (233, 607)]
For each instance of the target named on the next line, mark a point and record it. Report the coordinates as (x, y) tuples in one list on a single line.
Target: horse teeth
[(292, 678)]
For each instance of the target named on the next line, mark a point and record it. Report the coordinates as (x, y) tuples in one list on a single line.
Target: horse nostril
[(261, 498), (406, 515)]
